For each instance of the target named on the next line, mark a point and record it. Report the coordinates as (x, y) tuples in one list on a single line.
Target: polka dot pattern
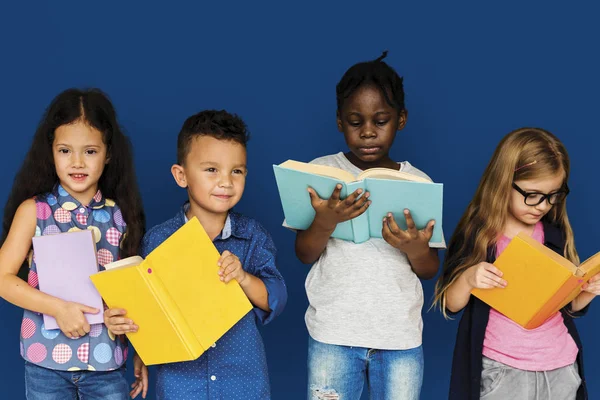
[(43, 211), (81, 218), (32, 279), (69, 205), (101, 216), (113, 236), (97, 233), (62, 215), (36, 353), (119, 218), (51, 230), (96, 330), (104, 257), (50, 333), (28, 328), (83, 353), (51, 200), (118, 355), (59, 212), (62, 353), (103, 353)]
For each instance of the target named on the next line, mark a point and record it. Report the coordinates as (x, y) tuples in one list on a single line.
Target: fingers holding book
[(335, 210), (593, 285), (484, 276), (410, 240), (116, 321)]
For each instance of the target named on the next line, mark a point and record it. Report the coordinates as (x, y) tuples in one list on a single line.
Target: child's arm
[(590, 290), (311, 243), (483, 276), (14, 251), (414, 243), (255, 289)]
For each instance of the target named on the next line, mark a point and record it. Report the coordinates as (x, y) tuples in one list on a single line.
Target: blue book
[(390, 191)]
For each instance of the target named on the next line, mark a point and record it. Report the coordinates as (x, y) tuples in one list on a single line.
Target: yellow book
[(539, 281), (175, 296)]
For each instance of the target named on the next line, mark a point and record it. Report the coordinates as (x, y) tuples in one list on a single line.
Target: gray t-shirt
[(366, 294)]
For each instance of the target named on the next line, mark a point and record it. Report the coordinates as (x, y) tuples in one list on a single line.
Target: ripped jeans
[(340, 372)]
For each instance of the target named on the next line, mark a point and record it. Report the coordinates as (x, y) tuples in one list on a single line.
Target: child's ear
[(402, 117), (339, 121), (179, 175)]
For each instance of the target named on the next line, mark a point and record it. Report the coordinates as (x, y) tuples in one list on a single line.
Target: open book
[(390, 191), (175, 296), (540, 281)]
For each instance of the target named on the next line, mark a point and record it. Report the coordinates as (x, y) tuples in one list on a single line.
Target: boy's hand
[(71, 321), (334, 210), (231, 268), (140, 371), (484, 276), (593, 285), (411, 241), (117, 323)]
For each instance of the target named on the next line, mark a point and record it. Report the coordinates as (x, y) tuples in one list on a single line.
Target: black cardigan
[(465, 380)]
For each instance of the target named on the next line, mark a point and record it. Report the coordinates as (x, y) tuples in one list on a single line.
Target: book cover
[(390, 191), (175, 296), (64, 263), (539, 281)]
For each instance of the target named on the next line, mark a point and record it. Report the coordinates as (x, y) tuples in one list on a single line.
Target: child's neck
[(383, 162), (513, 227), (212, 223)]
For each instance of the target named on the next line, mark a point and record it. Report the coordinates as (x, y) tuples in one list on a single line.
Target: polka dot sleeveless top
[(99, 350)]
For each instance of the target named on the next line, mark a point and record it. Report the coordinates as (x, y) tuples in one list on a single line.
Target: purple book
[(64, 264)]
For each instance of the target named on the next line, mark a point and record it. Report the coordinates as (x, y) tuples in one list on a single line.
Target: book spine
[(171, 310), (556, 302), (360, 225)]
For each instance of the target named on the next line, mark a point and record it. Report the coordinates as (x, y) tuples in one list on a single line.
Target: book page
[(387, 173), (590, 267), (323, 170), (126, 262)]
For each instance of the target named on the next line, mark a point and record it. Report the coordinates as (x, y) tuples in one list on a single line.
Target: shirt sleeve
[(261, 264)]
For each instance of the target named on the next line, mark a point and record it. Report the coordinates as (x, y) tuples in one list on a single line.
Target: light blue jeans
[(339, 372), (48, 384)]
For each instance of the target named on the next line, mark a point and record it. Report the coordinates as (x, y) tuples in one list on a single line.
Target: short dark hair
[(375, 73), (218, 124)]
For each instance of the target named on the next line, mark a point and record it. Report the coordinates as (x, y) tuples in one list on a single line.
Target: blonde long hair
[(526, 153)]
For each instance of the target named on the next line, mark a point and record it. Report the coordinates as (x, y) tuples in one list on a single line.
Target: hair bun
[(382, 56)]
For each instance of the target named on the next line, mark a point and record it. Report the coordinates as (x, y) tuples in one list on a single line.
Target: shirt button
[(81, 210), (213, 378), (213, 345)]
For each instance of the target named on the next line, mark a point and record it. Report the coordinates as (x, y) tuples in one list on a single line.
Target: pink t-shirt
[(547, 347)]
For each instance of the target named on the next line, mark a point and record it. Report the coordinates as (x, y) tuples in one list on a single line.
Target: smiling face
[(369, 125), (214, 172), (79, 158)]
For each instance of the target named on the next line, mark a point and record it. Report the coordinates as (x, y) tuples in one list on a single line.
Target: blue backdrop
[(472, 73)]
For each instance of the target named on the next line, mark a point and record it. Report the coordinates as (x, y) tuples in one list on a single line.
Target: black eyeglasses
[(535, 198)]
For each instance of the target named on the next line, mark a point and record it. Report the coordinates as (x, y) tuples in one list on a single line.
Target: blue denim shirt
[(236, 366)]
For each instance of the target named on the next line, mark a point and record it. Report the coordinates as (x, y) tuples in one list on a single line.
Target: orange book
[(539, 281)]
